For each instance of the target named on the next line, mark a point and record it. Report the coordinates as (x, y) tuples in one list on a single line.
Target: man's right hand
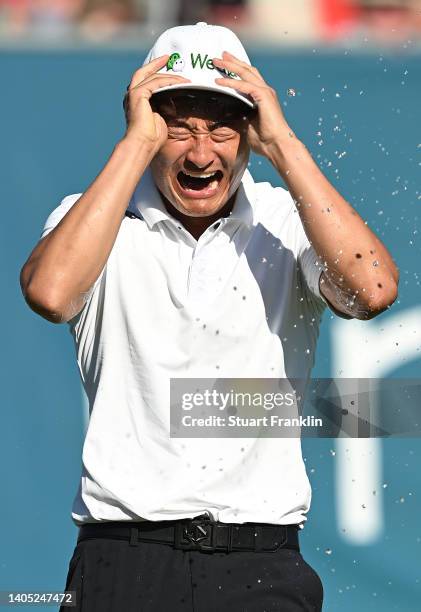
[(142, 123)]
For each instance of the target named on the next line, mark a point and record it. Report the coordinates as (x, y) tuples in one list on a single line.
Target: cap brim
[(215, 88)]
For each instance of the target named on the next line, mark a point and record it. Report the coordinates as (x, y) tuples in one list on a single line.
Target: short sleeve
[(52, 221), (309, 262), (311, 268), (58, 213)]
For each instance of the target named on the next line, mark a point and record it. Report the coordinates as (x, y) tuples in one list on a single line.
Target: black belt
[(199, 533)]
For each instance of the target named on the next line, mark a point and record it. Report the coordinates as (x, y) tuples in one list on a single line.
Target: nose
[(200, 153)]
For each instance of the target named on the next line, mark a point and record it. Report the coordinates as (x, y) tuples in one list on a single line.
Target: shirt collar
[(147, 201)]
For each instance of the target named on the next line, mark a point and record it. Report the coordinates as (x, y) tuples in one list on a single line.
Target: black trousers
[(113, 576)]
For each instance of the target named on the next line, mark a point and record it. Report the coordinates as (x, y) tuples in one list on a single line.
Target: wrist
[(285, 148), (137, 145)]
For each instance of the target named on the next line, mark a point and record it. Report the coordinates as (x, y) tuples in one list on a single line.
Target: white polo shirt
[(243, 301)]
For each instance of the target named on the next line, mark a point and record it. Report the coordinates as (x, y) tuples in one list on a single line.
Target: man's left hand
[(269, 125)]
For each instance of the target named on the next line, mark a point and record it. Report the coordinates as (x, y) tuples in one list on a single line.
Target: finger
[(243, 86), (157, 81), (244, 71), (233, 58), (144, 71), (229, 56), (162, 79), (258, 93)]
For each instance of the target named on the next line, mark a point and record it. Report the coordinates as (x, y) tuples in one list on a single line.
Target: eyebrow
[(178, 122), (181, 123)]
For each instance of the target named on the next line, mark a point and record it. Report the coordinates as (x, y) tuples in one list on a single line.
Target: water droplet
[(291, 92), (375, 263), (328, 551), (332, 452)]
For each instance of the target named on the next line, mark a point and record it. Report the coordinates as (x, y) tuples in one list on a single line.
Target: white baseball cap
[(191, 49)]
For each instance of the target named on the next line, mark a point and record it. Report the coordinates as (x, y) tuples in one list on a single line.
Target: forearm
[(356, 260), (65, 264)]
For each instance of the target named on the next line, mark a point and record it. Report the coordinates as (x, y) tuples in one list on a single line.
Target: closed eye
[(223, 133), (218, 132), (178, 132)]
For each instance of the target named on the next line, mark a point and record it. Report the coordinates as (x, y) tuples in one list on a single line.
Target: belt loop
[(134, 534), (230, 529)]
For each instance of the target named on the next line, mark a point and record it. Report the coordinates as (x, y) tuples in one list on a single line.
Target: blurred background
[(348, 75), (290, 22)]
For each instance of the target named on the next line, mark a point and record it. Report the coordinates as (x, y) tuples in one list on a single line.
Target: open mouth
[(205, 182)]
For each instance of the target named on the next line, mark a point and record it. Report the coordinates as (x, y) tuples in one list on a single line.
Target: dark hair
[(181, 101), (199, 101)]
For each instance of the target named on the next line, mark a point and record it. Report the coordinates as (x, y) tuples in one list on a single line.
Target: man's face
[(201, 164)]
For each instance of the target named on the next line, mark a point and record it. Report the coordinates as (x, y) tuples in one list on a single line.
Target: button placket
[(196, 265), (205, 269)]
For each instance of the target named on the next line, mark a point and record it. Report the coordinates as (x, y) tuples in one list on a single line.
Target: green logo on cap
[(175, 62)]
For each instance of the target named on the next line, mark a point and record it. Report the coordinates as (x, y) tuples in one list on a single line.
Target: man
[(174, 263)]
